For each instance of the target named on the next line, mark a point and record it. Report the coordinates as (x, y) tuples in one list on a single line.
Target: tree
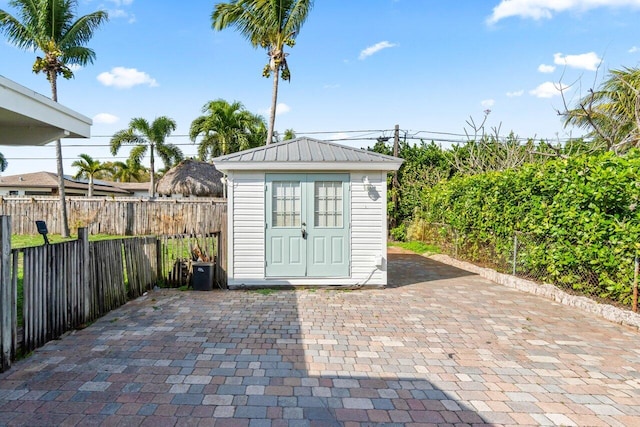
[(88, 168), (49, 26), (226, 128), (271, 25), (3, 163), (611, 113), (425, 165), (289, 134), (128, 171), (148, 137)]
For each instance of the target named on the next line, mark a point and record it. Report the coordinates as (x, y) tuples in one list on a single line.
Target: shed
[(306, 212)]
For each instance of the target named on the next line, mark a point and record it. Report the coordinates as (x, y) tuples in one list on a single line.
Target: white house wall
[(368, 228), (247, 226), (247, 233)]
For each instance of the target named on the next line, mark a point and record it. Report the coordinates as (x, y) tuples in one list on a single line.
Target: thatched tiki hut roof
[(192, 178)]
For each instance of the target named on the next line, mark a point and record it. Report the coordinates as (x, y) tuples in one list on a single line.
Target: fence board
[(7, 305), (124, 217)]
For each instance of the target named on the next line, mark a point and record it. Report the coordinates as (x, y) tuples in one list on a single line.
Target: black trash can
[(203, 276)]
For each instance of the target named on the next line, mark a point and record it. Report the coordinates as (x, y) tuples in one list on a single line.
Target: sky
[(358, 68)]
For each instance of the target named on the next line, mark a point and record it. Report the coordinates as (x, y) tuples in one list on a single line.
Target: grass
[(417, 247), (25, 241)]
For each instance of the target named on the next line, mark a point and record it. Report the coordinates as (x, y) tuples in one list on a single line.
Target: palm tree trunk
[(63, 204), (274, 103), (152, 184), (90, 194)]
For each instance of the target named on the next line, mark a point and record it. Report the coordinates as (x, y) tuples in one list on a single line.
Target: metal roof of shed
[(306, 154)]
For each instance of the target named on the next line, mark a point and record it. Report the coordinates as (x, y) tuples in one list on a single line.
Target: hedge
[(582, 213)]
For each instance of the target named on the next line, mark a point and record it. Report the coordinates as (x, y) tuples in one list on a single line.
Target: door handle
[(304, 233)]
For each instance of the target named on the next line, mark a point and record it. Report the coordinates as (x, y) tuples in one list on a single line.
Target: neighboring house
[(135, 189), (307, 212), (46, 184)]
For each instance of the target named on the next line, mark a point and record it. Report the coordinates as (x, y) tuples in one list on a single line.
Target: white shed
[(305, 212)]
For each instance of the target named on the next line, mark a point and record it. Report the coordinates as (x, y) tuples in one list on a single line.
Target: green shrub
[(399, 233), (581, 213)]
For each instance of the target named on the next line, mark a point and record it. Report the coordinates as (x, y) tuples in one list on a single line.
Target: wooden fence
[(67, 285), (122, 217)]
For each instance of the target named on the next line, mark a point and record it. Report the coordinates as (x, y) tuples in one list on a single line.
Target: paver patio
[(439, 347)]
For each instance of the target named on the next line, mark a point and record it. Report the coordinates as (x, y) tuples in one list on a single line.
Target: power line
[(366, 135)]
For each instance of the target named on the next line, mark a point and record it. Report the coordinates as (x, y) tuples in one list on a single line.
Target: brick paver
[(440, 346)]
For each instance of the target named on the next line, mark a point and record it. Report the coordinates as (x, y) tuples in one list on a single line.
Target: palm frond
[(125, 136), (137, 153), (170, 154)]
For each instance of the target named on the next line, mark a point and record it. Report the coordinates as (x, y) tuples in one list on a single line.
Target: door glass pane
[(328, 204), (286, 204)]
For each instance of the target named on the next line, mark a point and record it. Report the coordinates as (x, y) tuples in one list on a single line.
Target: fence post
[(515, 252), (7, 302), (455, 246), (159, 266), (635, 284), (85, 265)]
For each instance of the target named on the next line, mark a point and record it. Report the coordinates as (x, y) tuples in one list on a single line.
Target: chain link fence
[(608, 273)]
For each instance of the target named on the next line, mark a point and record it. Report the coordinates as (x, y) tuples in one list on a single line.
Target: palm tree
[(269, 24), (289, 134), (127, 171), (88, 168), (226, 128), (148, 137), (49, 26), (611, 113)]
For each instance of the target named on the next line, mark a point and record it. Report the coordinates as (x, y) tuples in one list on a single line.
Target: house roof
[(28, 118), (49, 180), (129, 186), (306, 154)]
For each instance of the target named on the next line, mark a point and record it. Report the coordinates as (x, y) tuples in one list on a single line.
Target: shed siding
[(248, 225), (368, 228)]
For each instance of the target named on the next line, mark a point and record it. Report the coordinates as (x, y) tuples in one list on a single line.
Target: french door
[(307, 225)]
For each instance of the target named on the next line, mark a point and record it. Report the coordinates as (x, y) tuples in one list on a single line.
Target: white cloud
[(586, 61), (548, 90), (544, 68), (75, 67), (488, 103), (634, 49), (119, 12), (375, 48), (515, 93), (125, 78), (545, 9), (282, 108), (105, 118)]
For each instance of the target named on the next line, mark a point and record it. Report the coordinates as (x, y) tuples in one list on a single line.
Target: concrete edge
[(607, 311)]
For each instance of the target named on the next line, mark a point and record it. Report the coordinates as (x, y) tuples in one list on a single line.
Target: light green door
[(307, 226), (328, 225), (285, 243)]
